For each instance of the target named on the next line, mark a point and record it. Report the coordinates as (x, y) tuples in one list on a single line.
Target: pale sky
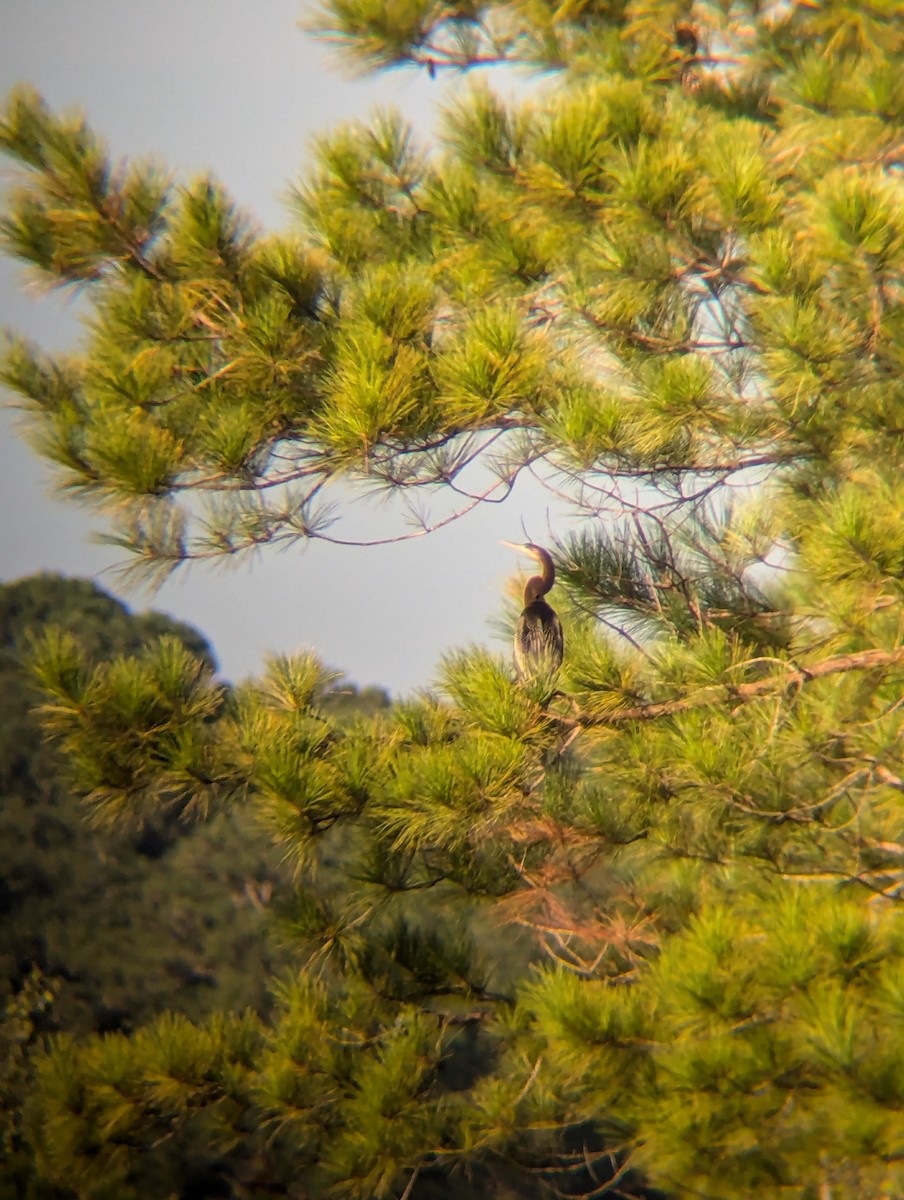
[(240, 89)]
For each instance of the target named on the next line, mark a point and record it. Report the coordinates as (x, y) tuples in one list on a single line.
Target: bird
[(539, 642)]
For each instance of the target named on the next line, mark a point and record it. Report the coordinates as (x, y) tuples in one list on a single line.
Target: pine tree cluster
[(644, 931)]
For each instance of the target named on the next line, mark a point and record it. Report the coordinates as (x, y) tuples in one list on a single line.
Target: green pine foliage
[(102, 928), (635, 926)]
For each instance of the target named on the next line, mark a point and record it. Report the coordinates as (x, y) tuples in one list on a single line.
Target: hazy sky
[(240, 89)]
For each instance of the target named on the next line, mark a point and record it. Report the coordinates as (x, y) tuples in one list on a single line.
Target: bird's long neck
[(539, 585)]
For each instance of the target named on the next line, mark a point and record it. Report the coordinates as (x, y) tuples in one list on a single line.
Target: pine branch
[(863, 660)]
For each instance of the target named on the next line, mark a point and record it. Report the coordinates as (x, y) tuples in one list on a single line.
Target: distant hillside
[(169, 916)]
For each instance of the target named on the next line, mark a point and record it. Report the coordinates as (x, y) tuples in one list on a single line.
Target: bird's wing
[(538, 642)]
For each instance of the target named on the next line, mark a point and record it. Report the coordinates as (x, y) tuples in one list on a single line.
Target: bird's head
[(539, 585), (528, 548)]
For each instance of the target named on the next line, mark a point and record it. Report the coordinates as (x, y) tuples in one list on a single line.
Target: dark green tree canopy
[(106, 910), (651, 922)]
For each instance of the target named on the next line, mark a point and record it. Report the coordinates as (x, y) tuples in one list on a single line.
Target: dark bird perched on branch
[(539, 644)]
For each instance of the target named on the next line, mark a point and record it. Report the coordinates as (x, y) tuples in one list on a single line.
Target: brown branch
[(861, 660)]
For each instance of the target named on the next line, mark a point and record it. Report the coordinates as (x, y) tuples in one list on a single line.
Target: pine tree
[(671, 279)]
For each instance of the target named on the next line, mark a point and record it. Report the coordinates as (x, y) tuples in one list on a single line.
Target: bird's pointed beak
[(512, 545)]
